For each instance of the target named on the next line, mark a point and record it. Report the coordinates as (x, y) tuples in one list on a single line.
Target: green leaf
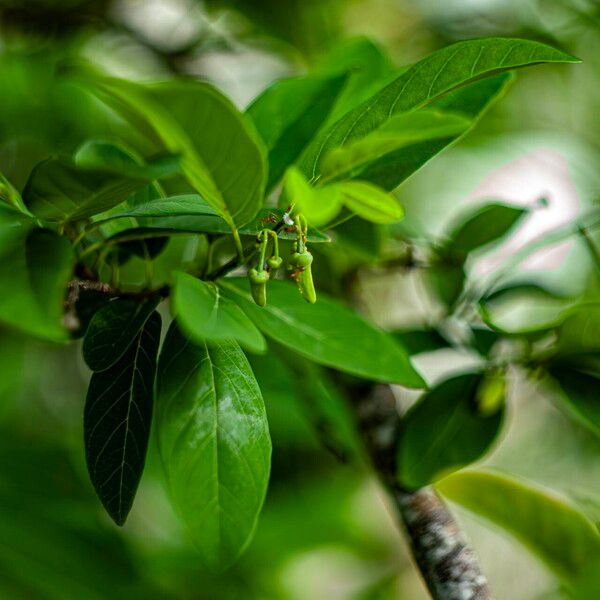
[(326, 333), (472, 101), (483, 226), (552, 529), (172, 206), (579, 395), (10, 195), (221, 155), (417, 341), (526, 310), (446, 281), (214, 442), (115, 158), (318, 205), (289, 113), (207, 316), (58, 190), (369, 202), (188, 213), (35, 265), (116, 422), (579, 332), (399, 131), (444, 431), (368, 68), (113, 329), (430, 78)]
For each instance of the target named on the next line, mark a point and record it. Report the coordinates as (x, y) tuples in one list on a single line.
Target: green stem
[(238, 244)]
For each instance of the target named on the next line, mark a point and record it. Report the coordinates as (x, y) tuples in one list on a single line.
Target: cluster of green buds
[(300, 262), (260, 275)]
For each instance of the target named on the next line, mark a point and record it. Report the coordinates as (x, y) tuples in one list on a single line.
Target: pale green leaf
[(207, 316), (551, 528), (369, 201)]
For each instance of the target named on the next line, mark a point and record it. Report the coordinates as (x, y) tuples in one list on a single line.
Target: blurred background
[(326, 531)]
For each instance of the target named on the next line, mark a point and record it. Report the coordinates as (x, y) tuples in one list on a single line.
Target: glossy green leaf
[(214, 442), (326, 333), (190, 214), (471, 101), (398, 132), (579, 397), (115, 158), (187, 205), (483, 226), (369, 202), (443, 432), (35, 265), (430, 78), (289, 113), (221, 155), (205, 315), (58, 190), (113, 329), (116, 422), (551, 528)]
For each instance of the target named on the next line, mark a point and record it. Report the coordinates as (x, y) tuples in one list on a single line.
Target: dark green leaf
[(552, 529), (443, 432), (485, 225), (417, 341), (289, 113), (207, 316), (579, 333), (484, 340), (190, 214), (446, 282), (327, 333), (35, 265), (115, 158), (58, 190), (117, 417), (579, 395), (214, 443), (221, 155), (113, 330), (87, 304), (430, 78)]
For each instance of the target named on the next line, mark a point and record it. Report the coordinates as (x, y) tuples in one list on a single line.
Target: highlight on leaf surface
[(214, 443)]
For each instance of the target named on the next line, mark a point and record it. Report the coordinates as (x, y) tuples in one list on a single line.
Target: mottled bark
[(447, 563)]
